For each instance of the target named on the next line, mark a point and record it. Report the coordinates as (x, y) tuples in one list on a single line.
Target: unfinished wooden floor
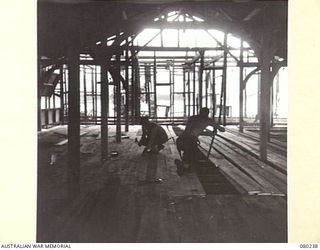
[(134, 198)]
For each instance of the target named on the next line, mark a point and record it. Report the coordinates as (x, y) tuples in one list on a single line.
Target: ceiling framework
[(59, 21)]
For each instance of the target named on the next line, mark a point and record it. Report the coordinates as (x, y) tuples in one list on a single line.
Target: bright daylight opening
[(212, 40)]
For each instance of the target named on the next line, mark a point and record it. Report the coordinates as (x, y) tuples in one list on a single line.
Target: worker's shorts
[(189, 145)]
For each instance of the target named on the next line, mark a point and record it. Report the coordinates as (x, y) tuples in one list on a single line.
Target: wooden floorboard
[(251, 168), (135, 198)]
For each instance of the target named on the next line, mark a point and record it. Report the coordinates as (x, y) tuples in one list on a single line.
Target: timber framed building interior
[(104, 64)]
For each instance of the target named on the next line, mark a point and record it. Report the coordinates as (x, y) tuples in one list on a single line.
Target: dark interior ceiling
[(61, 23)]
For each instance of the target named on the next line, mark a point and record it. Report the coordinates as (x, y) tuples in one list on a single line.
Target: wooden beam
[(189, 98), (96, 92), (179, 25), (214, 101), (85, 93), (265, 97), (133, 90), (54, 107), (201, 78), (241, 89), (224, 79), (39, 94), (155, 83), (207, 86), (224, 46), (172, 111), (184, 91), (118, 98), (94, 115), (127, 91), (194, 90), (73, 172), (248, 64), (249, 75), (61, 96), (104, 111), (136, 90)]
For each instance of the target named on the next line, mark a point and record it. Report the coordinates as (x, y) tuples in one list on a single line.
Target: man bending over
[(188, 140)]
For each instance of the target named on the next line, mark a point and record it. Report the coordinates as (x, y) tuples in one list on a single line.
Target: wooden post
[(46, 114), (214, 91), (201, 77), (96, 94), (127, 91), (54, 107), (224, 78), (118, 98), (39, 94), (241, 89), (161, 37), (104, 111), (85, 93), (189, 98), (172, 111), (265, 98), (133, 90), (137, 90), (221, 102), (155, 84), (194, 90), (259, 98), (61, 96), (207, 74), (184, 92), (271, 106), (147, 77), (73, 173), (93, 94)]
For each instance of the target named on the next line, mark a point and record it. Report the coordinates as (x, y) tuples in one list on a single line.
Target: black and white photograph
[(158, 121), (162, 121)]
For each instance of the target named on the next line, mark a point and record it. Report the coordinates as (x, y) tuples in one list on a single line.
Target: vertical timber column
[(155, 84), (54, 107), (127, 91), (271, 106), (118, 98), (184, 91), (46, 114), (201, 77), (207, 85), (133, 113), (85, 93), (214, 91), (241, 89), (104, 111), (137, 90), (172, 114), (61, 96), (73, 172), (224, 78), (189, 107), (265, 98), (92, 94), (194, 90), (96, 94), (39, 94)]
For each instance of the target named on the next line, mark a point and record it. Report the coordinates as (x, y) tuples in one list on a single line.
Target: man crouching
[(153, 136)]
